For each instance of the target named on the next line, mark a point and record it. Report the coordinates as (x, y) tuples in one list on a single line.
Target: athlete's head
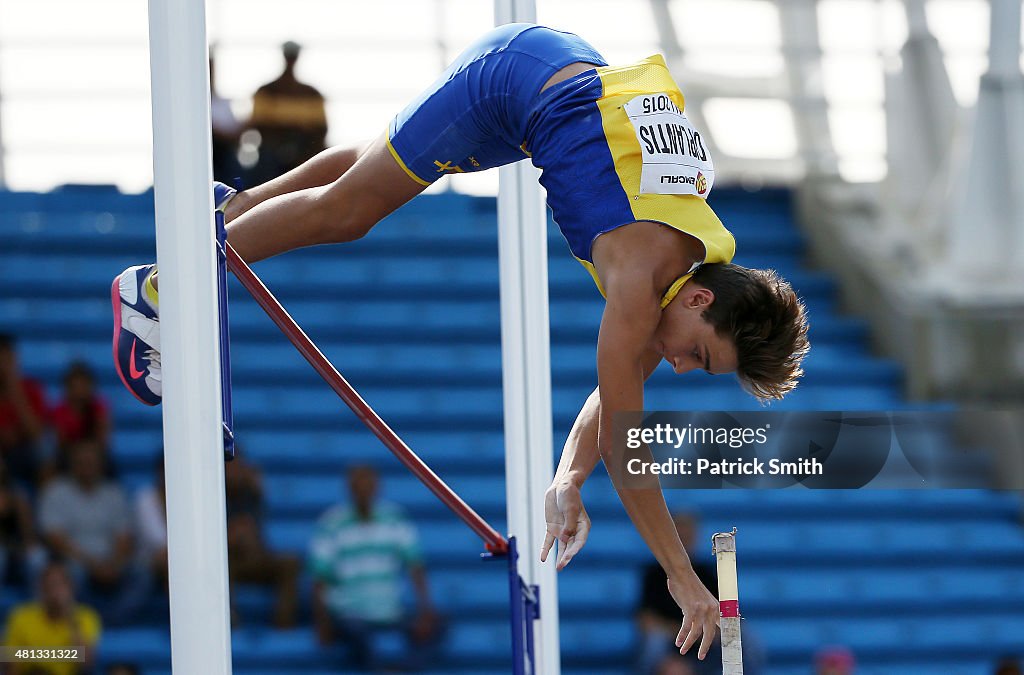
[(729, 318)]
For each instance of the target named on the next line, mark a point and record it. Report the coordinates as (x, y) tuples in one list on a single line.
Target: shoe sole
[(115, 298)]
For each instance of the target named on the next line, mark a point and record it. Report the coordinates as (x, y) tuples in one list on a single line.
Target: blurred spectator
[(291, 119), (1008, 666), (22, 417), (250, 560), (226, 132), (59, 464), (151, 524), (21, 555), (659, 617), (85, 520), (358, 556), (834, 661), (82, 416), (54, 620)]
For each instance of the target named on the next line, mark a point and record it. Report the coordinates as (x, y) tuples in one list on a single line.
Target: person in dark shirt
[(658, 614), (291, 118), (226, 133), (21, 555), (250, 559)]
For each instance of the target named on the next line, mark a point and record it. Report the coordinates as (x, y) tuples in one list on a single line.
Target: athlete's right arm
[(580, 455)]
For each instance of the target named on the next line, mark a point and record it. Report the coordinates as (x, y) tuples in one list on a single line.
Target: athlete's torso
[(615, 147)]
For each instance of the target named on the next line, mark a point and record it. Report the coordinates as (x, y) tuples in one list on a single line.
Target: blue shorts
[(475, 116)]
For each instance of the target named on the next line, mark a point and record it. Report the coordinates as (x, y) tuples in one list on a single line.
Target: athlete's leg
[(325, 167), (341, 194), (342, 210), (320, 170)]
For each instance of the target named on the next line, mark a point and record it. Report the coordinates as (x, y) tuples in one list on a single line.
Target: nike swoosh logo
[(135, 374)]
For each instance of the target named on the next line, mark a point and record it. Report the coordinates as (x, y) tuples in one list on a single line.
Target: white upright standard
[(193, 440), (526, 372)]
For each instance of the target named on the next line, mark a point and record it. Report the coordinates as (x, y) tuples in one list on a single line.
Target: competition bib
[(675, 158)]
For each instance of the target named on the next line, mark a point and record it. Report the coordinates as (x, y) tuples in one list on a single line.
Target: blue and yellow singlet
[(613, 143)]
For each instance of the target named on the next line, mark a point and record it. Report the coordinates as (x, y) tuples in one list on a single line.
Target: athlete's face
[(687, 341)]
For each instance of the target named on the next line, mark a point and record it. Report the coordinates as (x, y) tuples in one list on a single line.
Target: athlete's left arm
[(580, 454)]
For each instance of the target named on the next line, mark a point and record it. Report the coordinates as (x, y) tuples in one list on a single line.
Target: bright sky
[(74, 76)]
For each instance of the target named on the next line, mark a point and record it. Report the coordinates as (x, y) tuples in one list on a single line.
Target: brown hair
[(766, 321)]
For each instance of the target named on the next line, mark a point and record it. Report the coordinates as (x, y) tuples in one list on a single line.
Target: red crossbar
[(494, 541)]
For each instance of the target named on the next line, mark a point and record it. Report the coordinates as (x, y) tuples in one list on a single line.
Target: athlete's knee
[(341, 158), (351, 224), (339, 218)]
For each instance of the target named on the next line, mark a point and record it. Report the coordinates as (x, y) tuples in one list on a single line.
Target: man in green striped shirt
[(359, 556)]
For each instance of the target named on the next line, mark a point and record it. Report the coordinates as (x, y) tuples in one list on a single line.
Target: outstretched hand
[(700, 613), (567, 521)]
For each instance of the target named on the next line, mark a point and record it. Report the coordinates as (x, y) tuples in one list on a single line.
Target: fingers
[(565, 556), (691, 636), (683, 630), (699, 629), (549, 539), (707, 639), (574, 543), (571, 549), (572, 521)]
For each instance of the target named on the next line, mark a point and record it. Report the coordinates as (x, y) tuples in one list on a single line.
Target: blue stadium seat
[(914, 581)]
